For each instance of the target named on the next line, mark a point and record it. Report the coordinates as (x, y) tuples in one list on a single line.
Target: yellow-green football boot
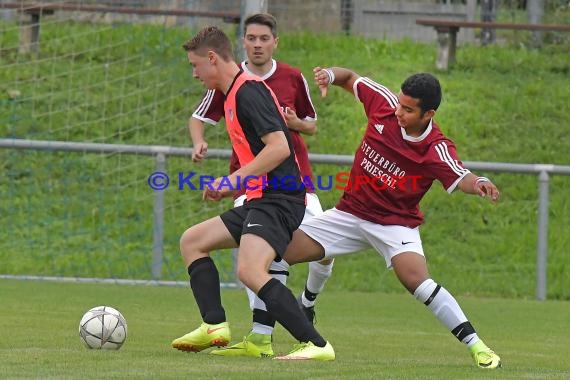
[(203, 337), (254, 345), (485, 357), (308, 351)]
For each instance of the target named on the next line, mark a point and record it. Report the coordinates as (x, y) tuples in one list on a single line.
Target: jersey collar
[(233, 81), (267, 75), (419, 138)]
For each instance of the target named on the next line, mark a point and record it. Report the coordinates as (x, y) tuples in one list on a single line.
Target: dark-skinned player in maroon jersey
[(263, 226), (292, 92), (402, 153)]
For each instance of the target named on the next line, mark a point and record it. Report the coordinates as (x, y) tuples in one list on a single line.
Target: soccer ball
[(103, 327)]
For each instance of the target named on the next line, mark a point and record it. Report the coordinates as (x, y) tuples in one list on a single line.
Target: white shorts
[(314, 207), (341, 233)]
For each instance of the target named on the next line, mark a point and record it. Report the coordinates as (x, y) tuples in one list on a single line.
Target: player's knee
[(189, 244), (412, 281), (241, 274), (326, 262), (186, 241), (411, 270), (247, 276)]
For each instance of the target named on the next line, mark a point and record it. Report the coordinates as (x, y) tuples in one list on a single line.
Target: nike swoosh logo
[(254, 225), (210, 330), (406, 242)]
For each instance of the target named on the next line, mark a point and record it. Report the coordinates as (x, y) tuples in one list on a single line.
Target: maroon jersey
[(395, 170), (291, 90)]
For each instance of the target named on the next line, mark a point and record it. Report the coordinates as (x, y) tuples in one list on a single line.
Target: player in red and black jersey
[(263, 226), (401, 154), (292, 92)]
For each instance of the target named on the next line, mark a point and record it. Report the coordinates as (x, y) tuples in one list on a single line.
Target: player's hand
[(211, 195), (322, 80), (290, 116), (199, 151), (487, 189), (222, 187)]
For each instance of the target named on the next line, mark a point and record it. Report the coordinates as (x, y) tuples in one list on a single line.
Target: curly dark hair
[(426, 88)]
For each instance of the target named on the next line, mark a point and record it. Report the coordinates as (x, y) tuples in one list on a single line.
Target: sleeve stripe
[(444, 155), (310, 100), (451, 188), (204, 119), (384, 91), (205, 103)]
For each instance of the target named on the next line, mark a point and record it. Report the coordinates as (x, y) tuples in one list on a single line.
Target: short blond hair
[(210, 38)]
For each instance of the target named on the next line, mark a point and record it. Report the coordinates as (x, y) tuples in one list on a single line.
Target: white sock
[(447, 310), (258, 328), (318, 276)]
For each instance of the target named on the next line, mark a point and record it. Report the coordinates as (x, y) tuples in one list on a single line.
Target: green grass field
[(376, 336), (82, 215)]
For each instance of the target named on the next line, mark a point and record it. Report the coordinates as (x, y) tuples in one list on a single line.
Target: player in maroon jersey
[(263, 226), (402, 153), (292, 91)]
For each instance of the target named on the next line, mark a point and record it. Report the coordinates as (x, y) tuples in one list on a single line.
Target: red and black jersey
[(291, 90), (402, 168), (251, 111)]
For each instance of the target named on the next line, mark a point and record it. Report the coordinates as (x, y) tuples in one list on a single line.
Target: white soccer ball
[(103, 327)]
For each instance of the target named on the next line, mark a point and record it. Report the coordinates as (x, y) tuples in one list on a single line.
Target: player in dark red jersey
[(402, 153), (263, 226), (292, 92)]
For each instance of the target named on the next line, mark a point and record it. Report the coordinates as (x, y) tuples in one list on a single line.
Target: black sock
[(282, 306), (263, 317), (310, 296), (205, 284), (463, 330)]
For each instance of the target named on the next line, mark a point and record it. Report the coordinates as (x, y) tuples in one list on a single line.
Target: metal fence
[(370, 18), (161, 154), (391, 19)]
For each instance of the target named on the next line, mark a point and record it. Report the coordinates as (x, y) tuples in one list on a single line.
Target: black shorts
[(272, 219)]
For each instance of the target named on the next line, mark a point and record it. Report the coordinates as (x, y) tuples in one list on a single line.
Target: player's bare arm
[(276, 150), (482, 186), (334, 75), (200, 149)]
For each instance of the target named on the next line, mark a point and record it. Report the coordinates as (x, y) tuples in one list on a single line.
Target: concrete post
[(542, 245)]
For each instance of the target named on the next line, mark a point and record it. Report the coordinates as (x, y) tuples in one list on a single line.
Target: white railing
[(543, 172)]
